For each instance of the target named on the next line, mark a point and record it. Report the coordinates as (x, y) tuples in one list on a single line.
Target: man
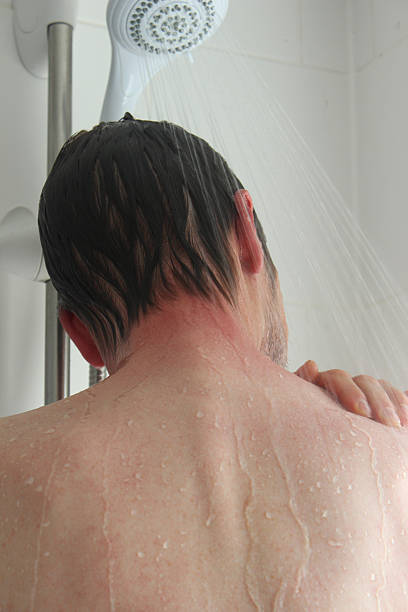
[(200, 474)]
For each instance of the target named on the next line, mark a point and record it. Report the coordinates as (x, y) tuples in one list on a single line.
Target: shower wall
[(380, 30), (297, 50)]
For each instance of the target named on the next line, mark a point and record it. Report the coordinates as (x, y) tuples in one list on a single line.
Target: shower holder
[(30, 22)]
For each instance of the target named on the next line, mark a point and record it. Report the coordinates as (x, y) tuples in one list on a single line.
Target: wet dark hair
[(131, 212)]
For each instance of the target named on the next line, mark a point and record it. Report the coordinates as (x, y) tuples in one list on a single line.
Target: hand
[(383, 403)]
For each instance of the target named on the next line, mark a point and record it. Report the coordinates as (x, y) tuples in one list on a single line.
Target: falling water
[(328, 257)]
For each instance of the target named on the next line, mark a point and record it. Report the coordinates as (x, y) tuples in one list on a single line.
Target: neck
[(188, 335)]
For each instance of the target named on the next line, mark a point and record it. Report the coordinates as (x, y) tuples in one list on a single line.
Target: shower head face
[(167, 26)]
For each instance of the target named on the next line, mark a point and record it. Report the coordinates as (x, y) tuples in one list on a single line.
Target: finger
[(342, 387), (308, 371), (399, 399), (381, 406)]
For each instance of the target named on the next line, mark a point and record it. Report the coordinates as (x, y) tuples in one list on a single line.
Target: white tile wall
[(363, 31), (23, 120), (382, 133), (324, 34), (23, 125), (382, 100), (92, 11), (390, 23), (261, 29), (91, 62)]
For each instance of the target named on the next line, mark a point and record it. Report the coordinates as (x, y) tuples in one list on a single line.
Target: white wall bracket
[(31, 19), (20, 246)]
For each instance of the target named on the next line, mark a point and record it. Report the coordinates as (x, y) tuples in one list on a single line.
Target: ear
[(251, 254), (80, 335)]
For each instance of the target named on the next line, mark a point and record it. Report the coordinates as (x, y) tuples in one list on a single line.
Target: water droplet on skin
[(140, 554), (130, 423), (199, 414), (46, 554), (318, 485), (210, 520), (358, 444), (325, 513), (166, 544), (335, 543), (352, 432), (29, 481), (372, 577), (301, 481), (280, 375), (268, 515), (163, 425)]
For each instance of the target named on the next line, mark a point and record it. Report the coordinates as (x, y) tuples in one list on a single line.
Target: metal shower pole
[(57, 365), (57, 342)]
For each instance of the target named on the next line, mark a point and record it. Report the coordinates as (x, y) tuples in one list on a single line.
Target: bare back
[(260, 495)]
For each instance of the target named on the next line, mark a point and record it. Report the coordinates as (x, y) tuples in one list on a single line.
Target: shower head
[(145, 36)]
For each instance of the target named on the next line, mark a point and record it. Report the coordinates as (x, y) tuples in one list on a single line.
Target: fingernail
[(393, 419), (364, 408), (395, 422)]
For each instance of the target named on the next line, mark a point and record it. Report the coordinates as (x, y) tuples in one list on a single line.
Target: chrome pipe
[(57, 346)]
